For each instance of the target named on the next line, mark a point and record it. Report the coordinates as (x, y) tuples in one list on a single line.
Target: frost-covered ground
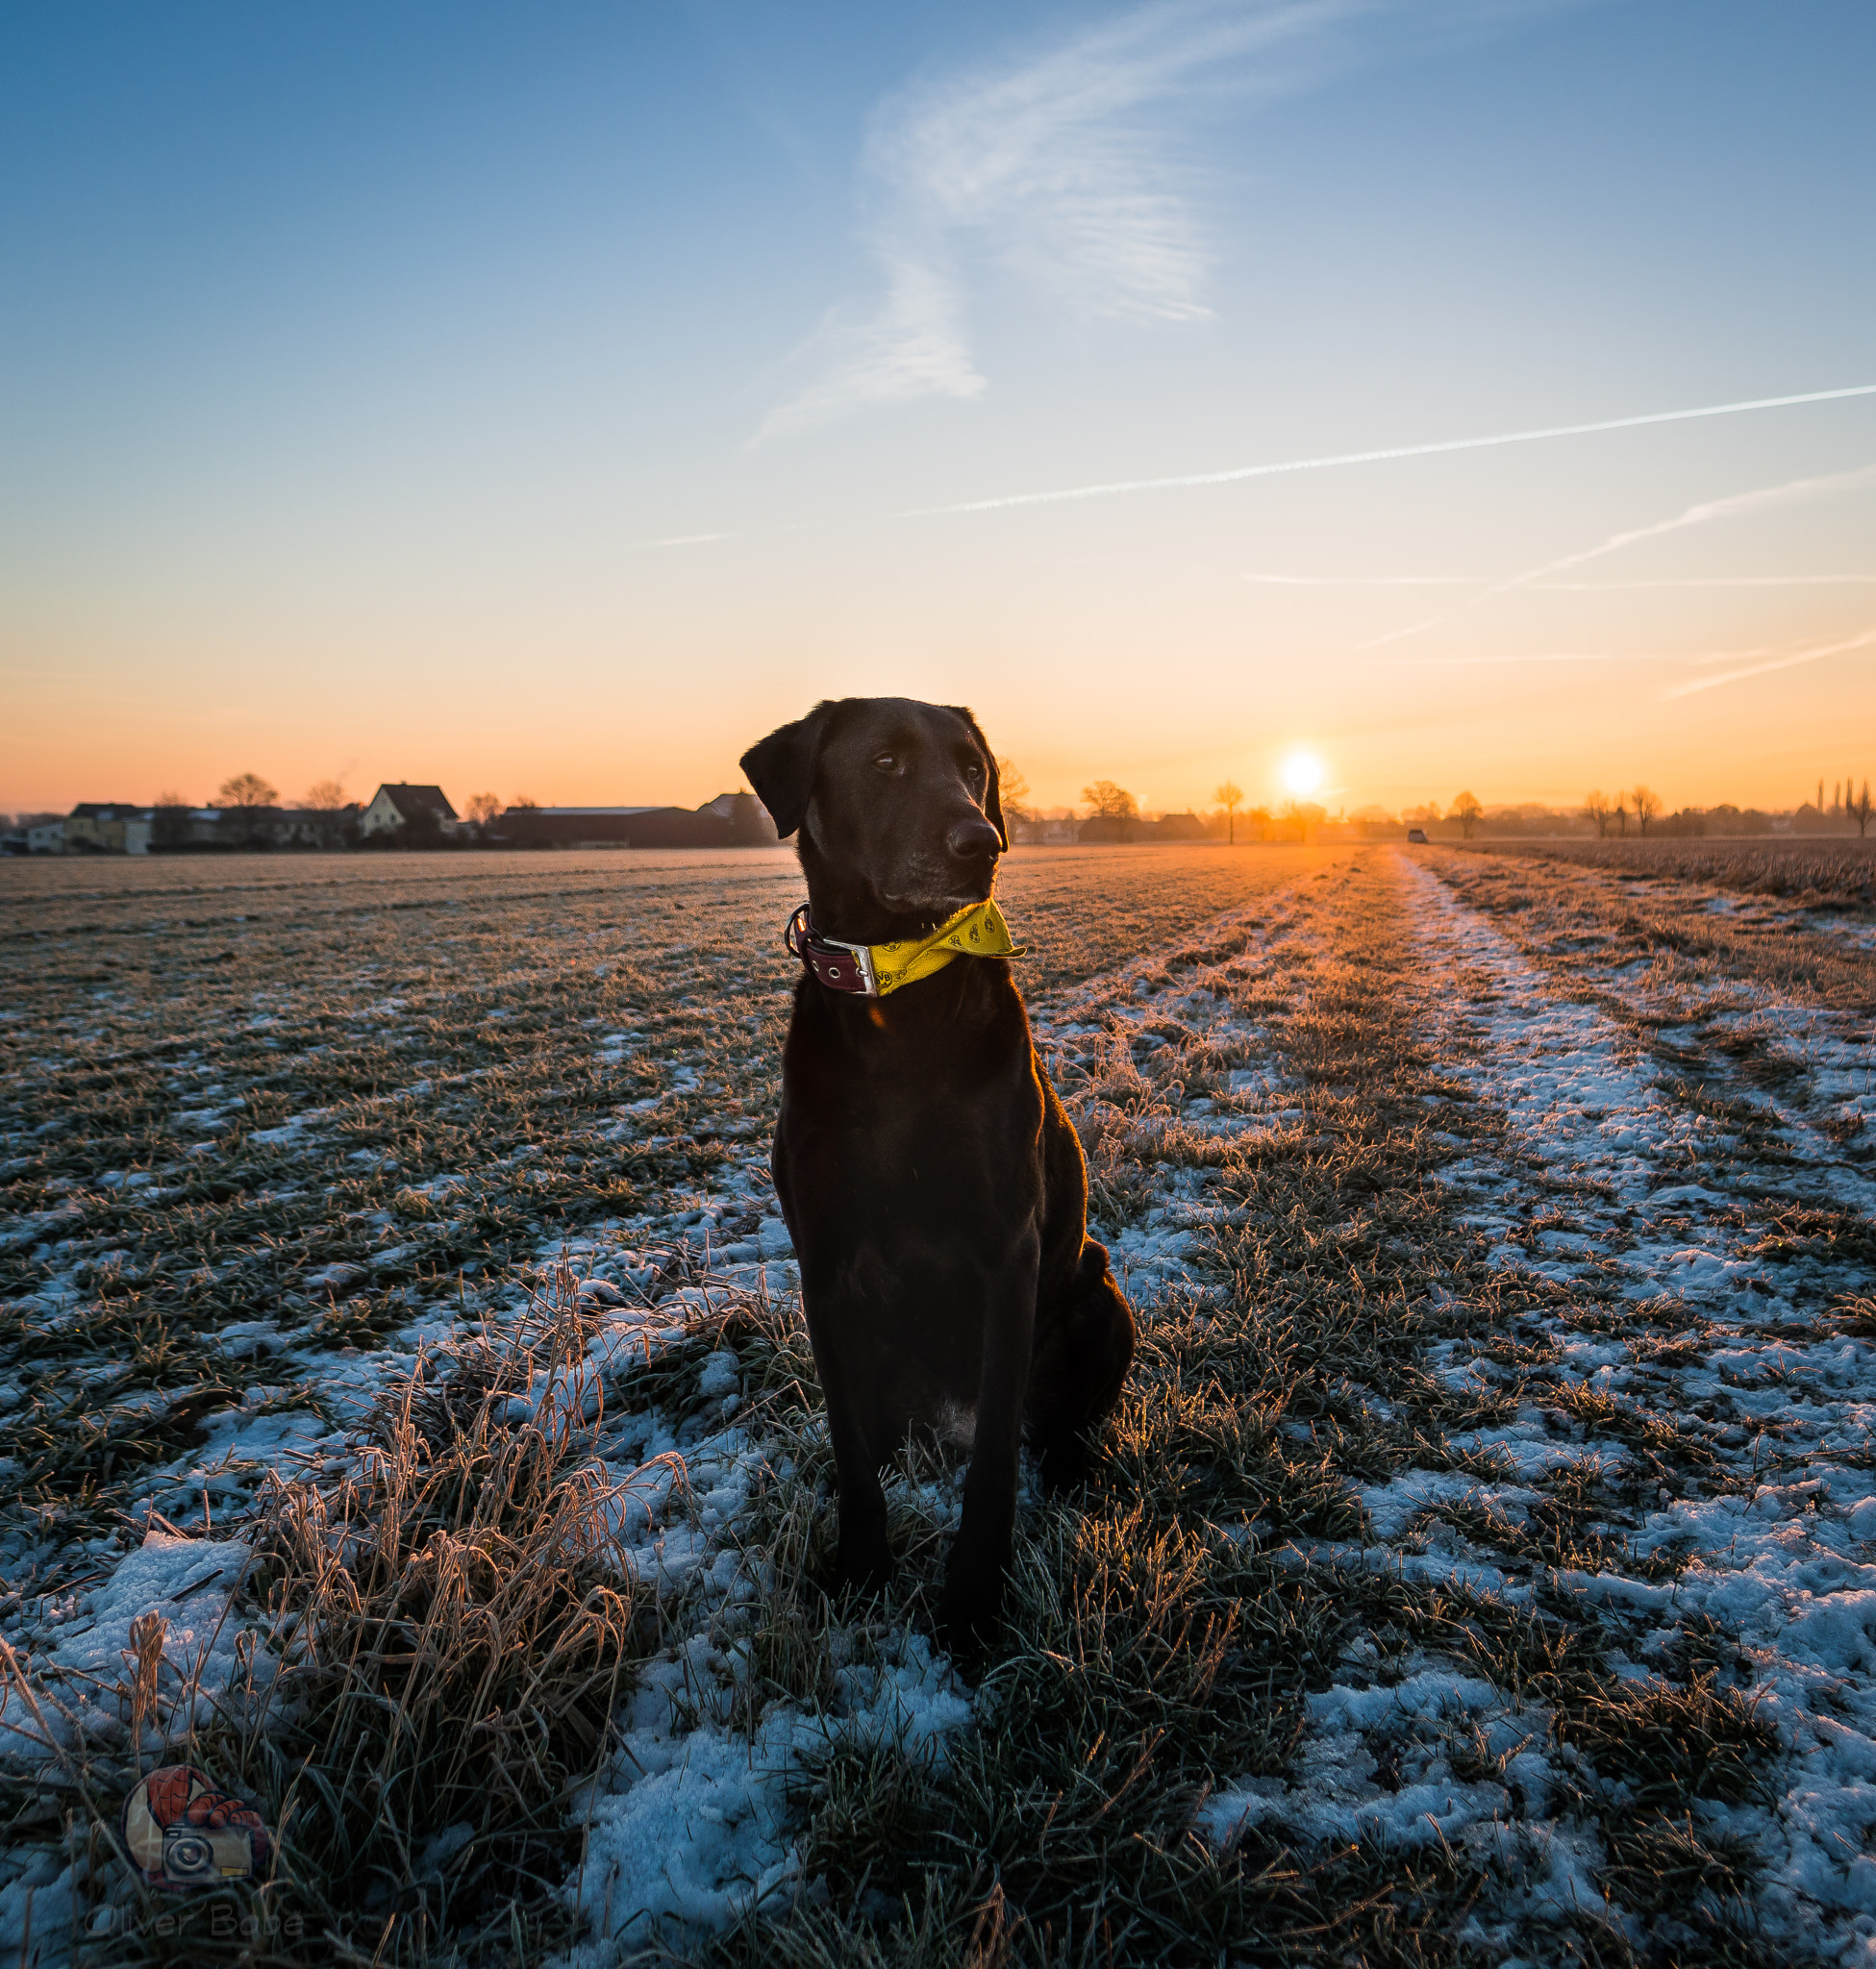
[(1482, 1564)]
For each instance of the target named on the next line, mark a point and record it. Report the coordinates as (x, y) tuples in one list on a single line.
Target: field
[(1814, 871), (405, 1414)]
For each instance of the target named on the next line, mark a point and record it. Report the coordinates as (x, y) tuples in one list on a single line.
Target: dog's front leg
[(973, 1581), (840, 1347)]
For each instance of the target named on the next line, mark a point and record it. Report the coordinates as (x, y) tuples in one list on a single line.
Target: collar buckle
[(845, 967)]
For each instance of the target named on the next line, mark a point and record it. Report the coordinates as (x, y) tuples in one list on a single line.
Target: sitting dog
[(932, 1186)]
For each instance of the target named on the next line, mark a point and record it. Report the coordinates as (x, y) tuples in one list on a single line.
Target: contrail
[(1697, 514), (1368, 457), (1372, 581), (1714, 581), (1785, 662)]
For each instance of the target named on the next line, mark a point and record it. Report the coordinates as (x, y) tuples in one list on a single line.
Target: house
[(1109, 827), (107, 827), (410, 813), (46, 837), (1417, 833), (1176, 827)]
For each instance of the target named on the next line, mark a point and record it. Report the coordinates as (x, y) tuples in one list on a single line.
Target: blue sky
[(352, 358)]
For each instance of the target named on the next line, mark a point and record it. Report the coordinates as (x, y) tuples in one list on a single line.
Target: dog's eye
[(974, 773), (887, 761)]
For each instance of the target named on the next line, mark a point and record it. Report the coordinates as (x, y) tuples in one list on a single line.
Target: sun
[(1302, 772)]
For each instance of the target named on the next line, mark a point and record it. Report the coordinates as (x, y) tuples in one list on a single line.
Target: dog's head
[(894, 804)]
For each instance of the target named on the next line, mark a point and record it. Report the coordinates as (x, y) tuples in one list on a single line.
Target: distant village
[(248, 817), (395, 816)]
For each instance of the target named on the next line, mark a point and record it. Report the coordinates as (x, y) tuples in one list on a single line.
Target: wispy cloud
[(1762, 499), (911, 346), (1063, 166)]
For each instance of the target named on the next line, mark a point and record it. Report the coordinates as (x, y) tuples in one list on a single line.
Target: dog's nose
[(973, 840)]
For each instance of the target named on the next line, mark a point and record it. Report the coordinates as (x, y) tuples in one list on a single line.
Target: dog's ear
[(993, 786), (781, 768)]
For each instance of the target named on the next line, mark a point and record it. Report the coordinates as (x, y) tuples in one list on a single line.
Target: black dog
[(933, 1187)]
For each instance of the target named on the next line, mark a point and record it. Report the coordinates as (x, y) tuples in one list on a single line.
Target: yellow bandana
[(977, 931)]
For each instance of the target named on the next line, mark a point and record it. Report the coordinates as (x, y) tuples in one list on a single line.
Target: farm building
[(1128, 827), (731, 820)]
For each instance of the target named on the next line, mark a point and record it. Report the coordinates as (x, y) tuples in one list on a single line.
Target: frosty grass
[(1667, 1447)]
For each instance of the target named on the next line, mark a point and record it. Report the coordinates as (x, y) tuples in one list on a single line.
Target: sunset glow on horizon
[(1388, 401)]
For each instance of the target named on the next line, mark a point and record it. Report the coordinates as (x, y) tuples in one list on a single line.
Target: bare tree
[(327, 798), (1466, 810), (482, 808), (1596, 808), (1647, 806), (1229, 795), (1622, 815), (242, 797), (1011, 789), (246, 792), (1110, 802), (1302, 815), (1860, 811), (525, 802)]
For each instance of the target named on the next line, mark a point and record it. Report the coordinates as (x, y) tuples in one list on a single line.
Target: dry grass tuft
[(455, 1625), (443, 1636), (1855, 1317)]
